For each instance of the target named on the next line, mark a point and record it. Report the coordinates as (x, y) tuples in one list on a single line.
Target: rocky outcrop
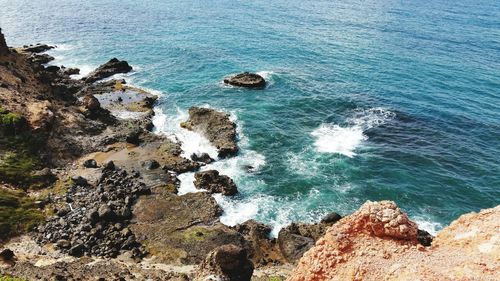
[(38, 48), (213, 182), (379, 242), (295, 239), (112, 67), (94, 221), (4, 49), (247, 80), (226, 263), (216, 127)]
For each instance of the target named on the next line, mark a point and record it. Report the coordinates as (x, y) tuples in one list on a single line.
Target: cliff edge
[(379, 242)]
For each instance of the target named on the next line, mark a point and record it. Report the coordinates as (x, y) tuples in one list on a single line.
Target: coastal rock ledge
[(379, 242), (216, 127)]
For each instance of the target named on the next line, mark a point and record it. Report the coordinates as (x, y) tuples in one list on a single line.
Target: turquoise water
[(366, 100)]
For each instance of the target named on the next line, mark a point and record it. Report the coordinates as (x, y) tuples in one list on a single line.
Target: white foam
[(332, 138), (428, 225), (127, 114)]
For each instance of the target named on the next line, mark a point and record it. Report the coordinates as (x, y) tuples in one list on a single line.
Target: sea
[(365, 100)]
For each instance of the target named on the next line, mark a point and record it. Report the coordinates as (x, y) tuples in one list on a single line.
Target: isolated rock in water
[(215, 183), (247, 80), (379, 242), (3, 45), (108, 69), (38, 48), (216, 127), (226, 263)]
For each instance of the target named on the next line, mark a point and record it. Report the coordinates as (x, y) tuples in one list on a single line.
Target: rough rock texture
[(38, 48), (94, 220), (379, 242), (216, 126), (247, 80), (212, 181), (4, 49), (226, 263), (295, 239), (108, 69)]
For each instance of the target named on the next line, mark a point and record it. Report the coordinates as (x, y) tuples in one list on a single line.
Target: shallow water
[(366, 100)]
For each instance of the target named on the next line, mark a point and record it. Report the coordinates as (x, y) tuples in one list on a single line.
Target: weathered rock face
[(108, 69), (3, 45), (215, 183), (295, 239), (247, 80), (379, 242), (226, 263), (216, 127)]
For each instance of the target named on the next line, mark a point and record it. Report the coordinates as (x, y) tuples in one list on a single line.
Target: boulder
[(215, 183), (216, 127), (226, 263), (108, 69), (90, 163), (91, 103), (38, 48), (7, 255), (262, 249), (203, 158), (247, 80)]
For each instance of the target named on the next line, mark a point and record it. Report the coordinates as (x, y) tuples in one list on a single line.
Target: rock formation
[(216, 126), (247, 80), (379, 242), (226, 263), (108, 69), (3, 45), (215, 183)]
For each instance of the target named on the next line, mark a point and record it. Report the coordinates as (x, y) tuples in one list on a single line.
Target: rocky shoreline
[(89, 190)]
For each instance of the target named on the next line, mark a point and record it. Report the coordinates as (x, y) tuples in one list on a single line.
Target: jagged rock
[(180, 165), (216, 127), (226, 263), (38, 48), (4, 49), (69, 71), (215, 183), (331, 218), (91, 103), (40, 58), (151, 164), (424, 238), (247, 80), (108, 69), (262, 249), (204, 158)]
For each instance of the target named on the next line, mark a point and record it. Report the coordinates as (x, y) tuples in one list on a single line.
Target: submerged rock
[(108, 69), (226, 263), (215, 183), (247, 80), (216, 127)]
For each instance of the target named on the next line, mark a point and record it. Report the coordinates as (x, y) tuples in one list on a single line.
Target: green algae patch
[(198, 234), (11, 278), (18, 213)]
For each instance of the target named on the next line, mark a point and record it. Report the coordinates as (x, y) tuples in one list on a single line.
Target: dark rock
[(151, 164), (77, 250), (91, 103), (40, 58), (227, 262), (65, 244), (262, 249), (6, 254), (247, 80), (79, 180), (424, 238), (295, 239), (110, 165), (45, 175), (4, 49), (181, 165), (106, 213), (108, 69), (70, 71), (215, 183), (331, 218), (38, 48), (52, 68), (216, 127), (204, 158), (90, 163)]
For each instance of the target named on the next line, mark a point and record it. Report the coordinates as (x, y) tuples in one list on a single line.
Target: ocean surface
[(366, 100)]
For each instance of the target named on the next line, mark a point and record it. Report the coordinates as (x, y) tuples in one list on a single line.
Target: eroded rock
[(226, 263), (215, 183), (112, 67), (247, 80)]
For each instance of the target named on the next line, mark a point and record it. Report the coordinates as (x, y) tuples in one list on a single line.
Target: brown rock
[(216, 127), (91, 103), (215, 183), (247, 80), (379, 242), (227, 263)]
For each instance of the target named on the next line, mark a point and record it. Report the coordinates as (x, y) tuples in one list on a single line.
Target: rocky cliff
[(3, 45), (379, 242)]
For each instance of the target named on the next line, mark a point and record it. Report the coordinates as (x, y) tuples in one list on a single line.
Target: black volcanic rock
[(215, 183), (108, 69), (3, 45), (247, 80)]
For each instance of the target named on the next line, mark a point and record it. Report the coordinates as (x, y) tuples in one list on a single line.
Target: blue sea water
[(366, 100)]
